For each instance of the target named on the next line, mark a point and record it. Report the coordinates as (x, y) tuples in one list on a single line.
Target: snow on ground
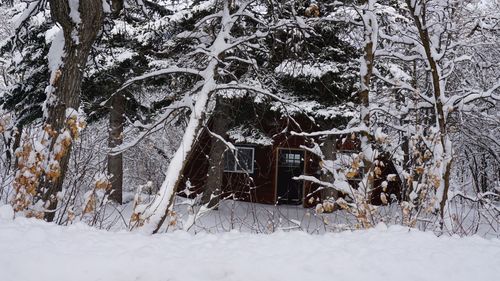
[(33, 250), (265, 219), (240, 216)]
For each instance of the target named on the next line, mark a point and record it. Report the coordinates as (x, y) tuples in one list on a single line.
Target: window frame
[(237, 168)]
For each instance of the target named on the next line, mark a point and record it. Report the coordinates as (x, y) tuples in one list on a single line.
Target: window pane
[(245, 159), (291, 159), (229, 160)]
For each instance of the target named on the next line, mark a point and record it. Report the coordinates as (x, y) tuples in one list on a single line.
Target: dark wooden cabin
[(267, 167)]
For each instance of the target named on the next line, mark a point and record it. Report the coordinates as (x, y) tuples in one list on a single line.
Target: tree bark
[(115, 135), (370, 38), (67, 85), (328, 150), (213, 187), (115, 138)]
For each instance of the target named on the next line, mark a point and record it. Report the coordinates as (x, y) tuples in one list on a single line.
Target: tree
[(116, 125), (420, 53), (439, 27), (220, 119), (78, 24)]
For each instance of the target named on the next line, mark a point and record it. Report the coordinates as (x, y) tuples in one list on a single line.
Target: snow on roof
[(241, 134)]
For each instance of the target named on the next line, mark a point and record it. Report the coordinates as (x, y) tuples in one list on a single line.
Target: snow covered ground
[(33, 250)]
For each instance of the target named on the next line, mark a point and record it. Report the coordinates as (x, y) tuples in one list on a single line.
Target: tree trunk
[(11, 147), (419, 19), (328, 150), (370, 40), (153, 217), (115, 131), (67, 84), (213, 187), (115, 138)]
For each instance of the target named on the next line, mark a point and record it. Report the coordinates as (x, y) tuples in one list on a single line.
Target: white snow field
[(34, 250)]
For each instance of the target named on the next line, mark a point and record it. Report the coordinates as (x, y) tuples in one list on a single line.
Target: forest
[(255, 116)]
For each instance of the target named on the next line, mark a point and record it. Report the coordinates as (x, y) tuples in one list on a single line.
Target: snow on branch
[(156, 73), (32, 9), (221, 139), (340, 186), (298, 68), (460, 100), (358, 129), (147, 130), (150, 217), (252, 88)]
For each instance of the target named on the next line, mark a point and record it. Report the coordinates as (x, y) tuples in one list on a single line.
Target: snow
[(28, 10), (74, 14), (297, 69), (55, 36), (55, 61), (33, 250), (313, 109), (109, 61), (6, 212), (185, 13), (106, 7), (241, 134)]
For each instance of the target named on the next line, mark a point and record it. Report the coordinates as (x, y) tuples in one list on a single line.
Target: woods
[(394, 106)]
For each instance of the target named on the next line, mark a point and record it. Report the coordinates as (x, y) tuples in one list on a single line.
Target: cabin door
[(290, 164)]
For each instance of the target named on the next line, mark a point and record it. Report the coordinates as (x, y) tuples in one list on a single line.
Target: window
[(291, 159), (244, 157)]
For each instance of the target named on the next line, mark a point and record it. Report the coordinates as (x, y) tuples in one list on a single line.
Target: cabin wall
[(261, 185), (196, 168), (256, 187)]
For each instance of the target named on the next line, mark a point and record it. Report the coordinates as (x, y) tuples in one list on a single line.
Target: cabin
[(266, 162)]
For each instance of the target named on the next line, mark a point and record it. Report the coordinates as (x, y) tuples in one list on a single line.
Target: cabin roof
[(240, 134)]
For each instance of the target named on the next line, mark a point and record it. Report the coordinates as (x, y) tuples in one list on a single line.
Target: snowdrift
[(34, 250)]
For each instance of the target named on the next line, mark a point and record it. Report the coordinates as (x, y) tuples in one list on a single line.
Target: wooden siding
[(196, 168), (255, 187)]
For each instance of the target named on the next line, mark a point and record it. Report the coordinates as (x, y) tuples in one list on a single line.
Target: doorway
[(290, 165)]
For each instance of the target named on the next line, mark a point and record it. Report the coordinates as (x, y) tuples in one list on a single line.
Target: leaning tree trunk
[(66, 87), (152, 218), (213, 187)]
